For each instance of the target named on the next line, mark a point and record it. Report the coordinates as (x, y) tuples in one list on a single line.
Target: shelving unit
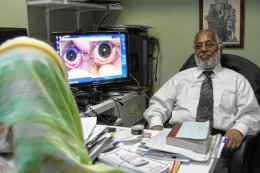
[(56, 4), (128, 113), (79, 7)]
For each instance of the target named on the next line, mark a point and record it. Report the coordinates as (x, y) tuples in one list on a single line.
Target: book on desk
[(190, 135), (158, 142)]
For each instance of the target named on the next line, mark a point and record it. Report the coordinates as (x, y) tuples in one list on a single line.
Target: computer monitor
[(9, 33), (94, 58)]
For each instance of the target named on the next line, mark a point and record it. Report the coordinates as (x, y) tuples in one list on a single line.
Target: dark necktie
[(205, 106)]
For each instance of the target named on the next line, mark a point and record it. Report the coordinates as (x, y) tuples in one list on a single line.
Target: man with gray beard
[(234, 107)]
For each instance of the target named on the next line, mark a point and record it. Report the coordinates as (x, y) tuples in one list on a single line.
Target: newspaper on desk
[(158, 142), (134, 162)]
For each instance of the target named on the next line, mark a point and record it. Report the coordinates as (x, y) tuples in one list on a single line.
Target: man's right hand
[(157, 127)]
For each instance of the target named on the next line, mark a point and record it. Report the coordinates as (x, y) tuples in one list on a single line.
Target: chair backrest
[(239, 64)]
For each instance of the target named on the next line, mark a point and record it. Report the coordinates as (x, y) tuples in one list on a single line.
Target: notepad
[(193, 130)]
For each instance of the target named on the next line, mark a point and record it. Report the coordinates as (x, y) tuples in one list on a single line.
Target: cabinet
[(129, 113), (75, 9)]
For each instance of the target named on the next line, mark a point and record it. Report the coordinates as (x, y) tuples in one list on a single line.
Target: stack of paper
[(158, 142), (97, 138), (101, 145)]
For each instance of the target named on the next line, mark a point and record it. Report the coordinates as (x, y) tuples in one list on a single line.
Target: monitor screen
[(93, 57), (9, 33)]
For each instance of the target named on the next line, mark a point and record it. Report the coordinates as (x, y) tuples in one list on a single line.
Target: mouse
[(114, 93)]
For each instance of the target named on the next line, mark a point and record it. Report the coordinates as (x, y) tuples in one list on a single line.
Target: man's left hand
[(235, 138)]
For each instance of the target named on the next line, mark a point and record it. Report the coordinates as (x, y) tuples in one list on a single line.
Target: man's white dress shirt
[(235, 104)]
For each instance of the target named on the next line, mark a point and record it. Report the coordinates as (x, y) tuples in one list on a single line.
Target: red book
[(175, 130)]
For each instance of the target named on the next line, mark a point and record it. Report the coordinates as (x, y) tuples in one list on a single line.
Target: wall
[(175, 22), (13, 13), (62, 20)]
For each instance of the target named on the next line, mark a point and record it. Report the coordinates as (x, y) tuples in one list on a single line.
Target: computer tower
[(140, 63), (138, 59)]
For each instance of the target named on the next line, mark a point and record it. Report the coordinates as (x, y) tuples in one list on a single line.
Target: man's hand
[(157, 127), (235, 138)]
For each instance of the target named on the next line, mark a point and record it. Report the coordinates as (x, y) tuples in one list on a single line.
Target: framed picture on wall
[(226, 18)]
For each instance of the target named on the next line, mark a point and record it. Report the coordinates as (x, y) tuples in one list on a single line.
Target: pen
[(116, 143), (166, 157), (225, 140)]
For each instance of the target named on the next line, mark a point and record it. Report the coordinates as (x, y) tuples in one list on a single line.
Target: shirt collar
[(198, 72)]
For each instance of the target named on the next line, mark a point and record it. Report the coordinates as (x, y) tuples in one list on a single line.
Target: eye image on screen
[(105, 57), (93, 57), (76, 58)]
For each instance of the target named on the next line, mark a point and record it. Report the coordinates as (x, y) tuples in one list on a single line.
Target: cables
[(132, 77), (117, 100), (105, 16), (118, 110), (101, 118), (153, 45)]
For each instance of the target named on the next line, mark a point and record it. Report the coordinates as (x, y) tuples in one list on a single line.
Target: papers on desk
[(97, 138), (88, 124), (132, 162), (102, 145), (161, 155), (158, 142)]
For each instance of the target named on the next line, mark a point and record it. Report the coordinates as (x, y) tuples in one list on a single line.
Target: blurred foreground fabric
[(39, 119)]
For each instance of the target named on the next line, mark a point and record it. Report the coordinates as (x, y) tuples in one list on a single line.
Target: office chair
[(247, 158)]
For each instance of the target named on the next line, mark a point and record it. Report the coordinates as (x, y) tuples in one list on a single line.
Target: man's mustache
[(203, 54)]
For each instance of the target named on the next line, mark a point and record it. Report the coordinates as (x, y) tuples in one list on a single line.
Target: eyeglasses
[(208, 44)]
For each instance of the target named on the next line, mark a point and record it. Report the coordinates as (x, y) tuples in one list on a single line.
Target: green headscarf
[(36, 102)]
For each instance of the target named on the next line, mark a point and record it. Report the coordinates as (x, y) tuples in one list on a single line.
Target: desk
[(128, 113), (192, 166), (201, 167)]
